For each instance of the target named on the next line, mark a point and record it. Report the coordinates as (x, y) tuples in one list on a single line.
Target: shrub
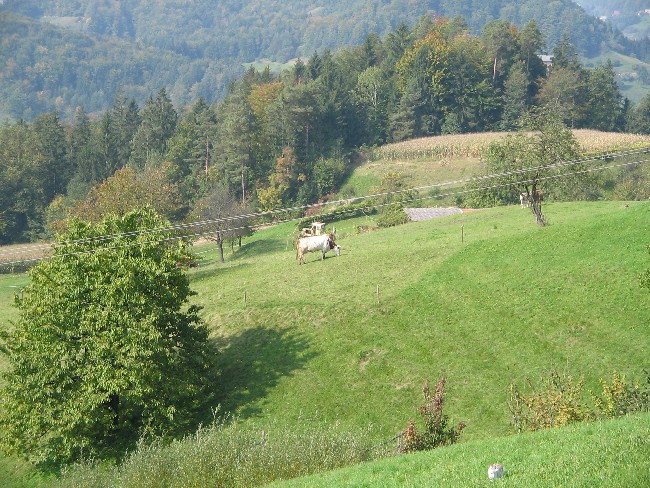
[(560, 400), (436, 431), (392, 216), (622, 396)]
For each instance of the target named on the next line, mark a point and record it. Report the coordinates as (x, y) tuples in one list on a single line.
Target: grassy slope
[(513, 301), (612, 453)]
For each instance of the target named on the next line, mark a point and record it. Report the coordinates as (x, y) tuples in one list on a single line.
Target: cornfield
[(475, 145), (20, 257)]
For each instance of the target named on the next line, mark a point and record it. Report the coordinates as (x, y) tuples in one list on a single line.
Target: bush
[(622, 396), (392, 216), (561, 400), (436, 431)]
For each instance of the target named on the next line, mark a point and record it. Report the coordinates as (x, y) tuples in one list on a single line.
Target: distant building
[(547, 59), (603, 18)]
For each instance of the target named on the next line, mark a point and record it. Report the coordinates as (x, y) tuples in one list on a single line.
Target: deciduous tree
[(106, 346), (526, 160)]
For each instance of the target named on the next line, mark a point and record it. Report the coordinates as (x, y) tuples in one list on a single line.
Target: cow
[(537, 196), (321, 243)]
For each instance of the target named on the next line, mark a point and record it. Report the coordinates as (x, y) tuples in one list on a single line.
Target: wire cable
[(49, 246), (340, 212)]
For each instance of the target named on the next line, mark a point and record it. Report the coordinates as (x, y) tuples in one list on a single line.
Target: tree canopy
[(107, 346)]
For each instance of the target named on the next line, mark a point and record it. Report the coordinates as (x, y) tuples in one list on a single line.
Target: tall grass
[(229, 455)]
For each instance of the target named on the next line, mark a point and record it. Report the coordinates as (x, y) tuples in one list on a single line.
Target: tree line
[(287, 139), (69, 53)]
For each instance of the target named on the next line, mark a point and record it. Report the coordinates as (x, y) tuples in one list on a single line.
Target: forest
[(57, 56), (286, 139)]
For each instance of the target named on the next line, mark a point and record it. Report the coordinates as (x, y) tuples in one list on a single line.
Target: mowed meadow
[(311, 345), (351, 339), (484, 298)]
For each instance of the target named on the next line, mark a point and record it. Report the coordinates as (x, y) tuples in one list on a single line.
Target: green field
[(612, 453), (317, 344)]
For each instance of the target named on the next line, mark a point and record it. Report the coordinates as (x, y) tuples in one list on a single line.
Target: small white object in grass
[(495, 471)]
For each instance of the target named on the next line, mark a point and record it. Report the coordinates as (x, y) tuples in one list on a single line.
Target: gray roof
[(418, 214)]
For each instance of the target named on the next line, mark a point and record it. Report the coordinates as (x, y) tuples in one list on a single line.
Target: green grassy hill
[(512, 301), (313, 344), (611, 453)]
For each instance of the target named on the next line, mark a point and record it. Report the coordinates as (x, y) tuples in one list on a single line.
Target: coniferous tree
[(234, 150), (604, 107), (50, 145), (125, 120), (158, 120), (515, 94), (639, 118)]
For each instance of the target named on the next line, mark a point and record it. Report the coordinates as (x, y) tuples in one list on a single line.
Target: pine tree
[(157, 126)]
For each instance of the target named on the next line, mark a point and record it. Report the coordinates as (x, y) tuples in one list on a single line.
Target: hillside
[(427, 160), (612, 453), (311, 344), (60, 55)]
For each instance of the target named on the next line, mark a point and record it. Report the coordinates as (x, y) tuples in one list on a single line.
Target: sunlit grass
[(317, 343)]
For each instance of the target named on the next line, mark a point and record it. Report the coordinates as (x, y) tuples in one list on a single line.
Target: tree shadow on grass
[(252, 362), (262, 246)]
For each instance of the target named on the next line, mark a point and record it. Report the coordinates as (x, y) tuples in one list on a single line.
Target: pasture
[(512, 301), (316, 344)]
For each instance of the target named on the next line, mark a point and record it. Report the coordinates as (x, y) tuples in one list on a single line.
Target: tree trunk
[(536, 208), (220, 242), (114, 407)]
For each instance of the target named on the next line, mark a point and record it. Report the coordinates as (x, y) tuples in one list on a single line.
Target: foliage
[(621, 396), (229, 454), (560, 400), (525, 162), (223, 214), (436, 431), (105, 348), (127, 190), (391, 216)]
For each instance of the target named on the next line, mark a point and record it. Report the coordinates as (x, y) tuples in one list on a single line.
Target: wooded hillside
[(60, 55)]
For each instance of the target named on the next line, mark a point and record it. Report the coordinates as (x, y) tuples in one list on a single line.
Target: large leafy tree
[(127, 190), (106, 346)]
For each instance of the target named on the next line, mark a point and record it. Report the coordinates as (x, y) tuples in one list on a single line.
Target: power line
[(182, 226), (339, 212)]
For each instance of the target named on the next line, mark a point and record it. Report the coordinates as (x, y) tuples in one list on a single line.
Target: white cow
[(523, 198), (316, 243), (538, 196)]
